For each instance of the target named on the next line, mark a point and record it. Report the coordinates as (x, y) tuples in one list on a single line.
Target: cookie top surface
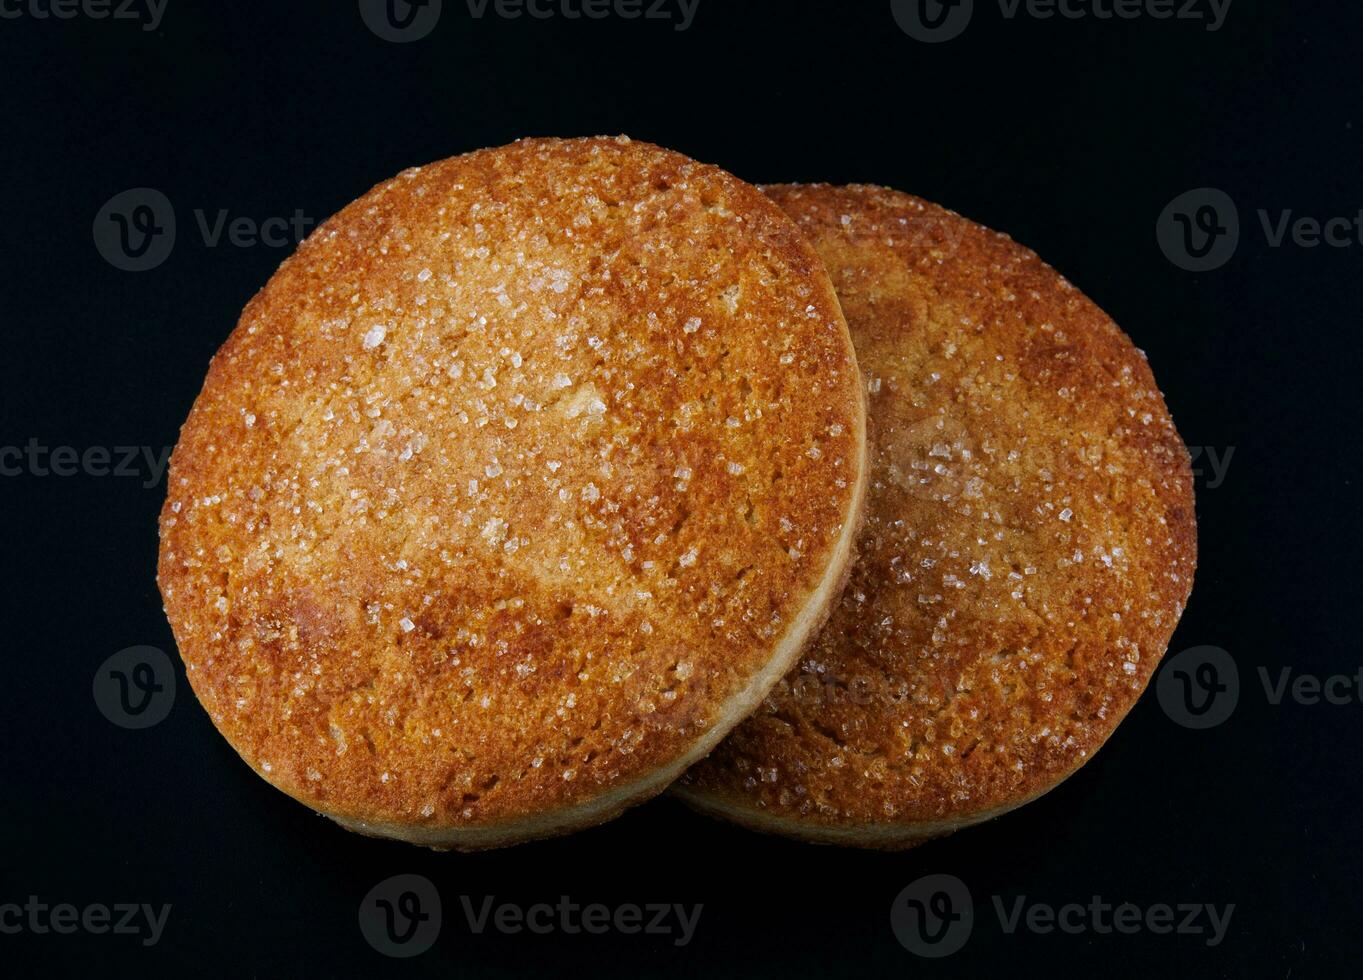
[(512, 483), (1028, 548)]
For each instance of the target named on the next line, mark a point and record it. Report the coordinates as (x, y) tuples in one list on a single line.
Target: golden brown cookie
[(1028, 548), (514, 489)]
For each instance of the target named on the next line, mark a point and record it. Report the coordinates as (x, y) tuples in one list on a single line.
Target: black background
[(1070, 135)]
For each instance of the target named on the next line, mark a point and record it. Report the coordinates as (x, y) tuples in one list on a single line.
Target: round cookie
[(515, 489), (1028, 548)]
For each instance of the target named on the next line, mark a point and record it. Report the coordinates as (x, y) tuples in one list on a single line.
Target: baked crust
[(1028, 549), (514, 489)]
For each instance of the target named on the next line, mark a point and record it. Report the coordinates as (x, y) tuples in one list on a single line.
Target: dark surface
[(1070, 135)]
